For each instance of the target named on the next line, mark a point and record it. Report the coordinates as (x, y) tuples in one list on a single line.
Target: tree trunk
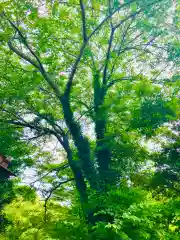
[(103, 154), (81, 144)]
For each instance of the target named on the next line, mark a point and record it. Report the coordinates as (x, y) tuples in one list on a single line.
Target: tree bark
[(81, 144), (103, 154)]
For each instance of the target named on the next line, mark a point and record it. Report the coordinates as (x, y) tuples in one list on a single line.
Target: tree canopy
[(89, 103)]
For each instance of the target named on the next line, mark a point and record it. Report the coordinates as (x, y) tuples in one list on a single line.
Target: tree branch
[(26, 44), (73, 71), (108, 57), (50, 193), (83, 21), (135, 13), (121, 44), (22, 55), (50, 121), (110, 84), (75, 65), (50, 171), (110, 12), (39, 66), (108, 17)]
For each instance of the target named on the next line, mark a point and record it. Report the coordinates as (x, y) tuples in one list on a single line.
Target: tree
[(166, 178), (71, 66), (19, 152)]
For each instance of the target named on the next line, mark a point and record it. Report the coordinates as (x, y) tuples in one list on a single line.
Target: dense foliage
[(89, 115)]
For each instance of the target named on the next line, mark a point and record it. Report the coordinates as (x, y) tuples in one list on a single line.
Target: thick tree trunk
[(81, 144), (103, 154), (77, 172)]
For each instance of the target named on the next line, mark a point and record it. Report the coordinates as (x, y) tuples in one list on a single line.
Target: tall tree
[(64, 62)]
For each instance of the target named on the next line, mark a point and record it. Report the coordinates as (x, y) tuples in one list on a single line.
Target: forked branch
[(37, 64), (54, 188)]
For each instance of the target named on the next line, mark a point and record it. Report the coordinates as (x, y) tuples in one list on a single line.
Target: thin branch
[(50, 194), (160, 72), (22, 55), (48, 120), (121, 44), (110, 12), (74, 68), (43, 130), (39, 66), (83, 21), (135, 13), (108, 57), (85, 38), (35, 137), (135, 38), (108, 17), (119, 80), (136, 77), (50, 171), (57, 186), (26, 44), (139, 49)]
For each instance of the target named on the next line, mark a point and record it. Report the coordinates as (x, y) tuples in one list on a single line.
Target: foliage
[(137, 216), (85, 88)]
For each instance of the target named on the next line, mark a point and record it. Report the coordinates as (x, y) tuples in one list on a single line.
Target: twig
[(50, 193), (121, 44), (119, 80), (108, 17), (50, 171)]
